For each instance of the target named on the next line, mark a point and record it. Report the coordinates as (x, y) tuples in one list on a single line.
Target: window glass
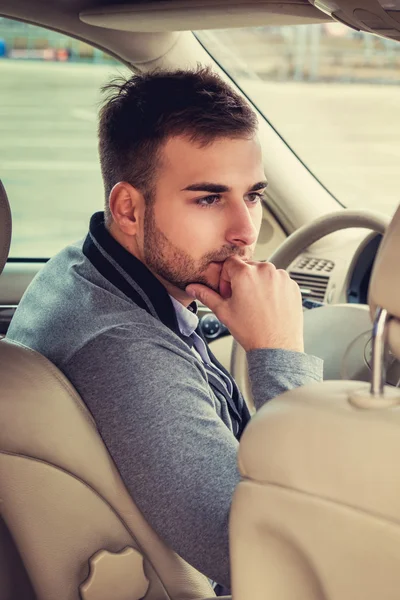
[(49, 99), (333, 94)]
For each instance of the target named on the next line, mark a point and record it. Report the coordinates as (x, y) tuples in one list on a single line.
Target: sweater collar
[(128, 273)]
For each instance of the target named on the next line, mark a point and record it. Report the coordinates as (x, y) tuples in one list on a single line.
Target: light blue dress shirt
[(188, 322)]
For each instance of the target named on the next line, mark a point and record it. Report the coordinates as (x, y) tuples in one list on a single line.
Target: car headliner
[(157, 22)]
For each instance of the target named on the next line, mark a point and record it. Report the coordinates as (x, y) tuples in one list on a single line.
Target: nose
[(243, 224)]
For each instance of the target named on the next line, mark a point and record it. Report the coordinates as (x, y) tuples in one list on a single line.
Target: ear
[(126, 206)]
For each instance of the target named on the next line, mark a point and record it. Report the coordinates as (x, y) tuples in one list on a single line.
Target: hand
[(260, 305)]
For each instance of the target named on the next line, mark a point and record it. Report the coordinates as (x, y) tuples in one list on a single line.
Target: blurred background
[(332, 94)]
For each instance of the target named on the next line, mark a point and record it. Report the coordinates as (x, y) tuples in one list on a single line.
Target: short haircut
[(144, 111)]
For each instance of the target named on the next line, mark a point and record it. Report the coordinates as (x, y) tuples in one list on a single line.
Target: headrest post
[(378, 365)]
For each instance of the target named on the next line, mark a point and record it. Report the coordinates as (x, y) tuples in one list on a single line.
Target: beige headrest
[(314, 440), (384, 291), (5, 227)]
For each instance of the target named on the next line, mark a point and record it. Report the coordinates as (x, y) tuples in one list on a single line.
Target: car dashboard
[(336, 270)]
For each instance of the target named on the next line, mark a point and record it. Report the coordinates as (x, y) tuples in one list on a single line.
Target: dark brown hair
[(141, 113)]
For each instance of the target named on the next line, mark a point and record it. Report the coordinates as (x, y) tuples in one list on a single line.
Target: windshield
[(332, 93)]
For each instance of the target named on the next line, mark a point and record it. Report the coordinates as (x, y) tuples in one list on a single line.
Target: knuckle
[(283, 273), (267, 268), (243, 266)]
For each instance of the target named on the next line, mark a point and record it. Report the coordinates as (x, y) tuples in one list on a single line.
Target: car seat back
[(69, 529), (316, 515)]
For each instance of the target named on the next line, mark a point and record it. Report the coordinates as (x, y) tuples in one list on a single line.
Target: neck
[(179, 295)]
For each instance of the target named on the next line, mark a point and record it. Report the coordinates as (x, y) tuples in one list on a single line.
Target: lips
[(217, 262), (221, 262)]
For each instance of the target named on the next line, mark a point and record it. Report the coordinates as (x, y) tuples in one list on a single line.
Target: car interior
[(316, 515)]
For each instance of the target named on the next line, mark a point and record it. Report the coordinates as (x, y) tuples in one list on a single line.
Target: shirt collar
[(188, 321)]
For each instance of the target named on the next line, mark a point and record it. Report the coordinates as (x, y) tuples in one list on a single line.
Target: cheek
[(256, 217), (193, 231)]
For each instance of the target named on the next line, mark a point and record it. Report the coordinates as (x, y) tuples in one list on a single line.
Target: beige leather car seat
[(69, 529), (317, 513)]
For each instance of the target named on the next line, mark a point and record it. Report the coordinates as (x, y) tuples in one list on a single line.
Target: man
[(184, 180)]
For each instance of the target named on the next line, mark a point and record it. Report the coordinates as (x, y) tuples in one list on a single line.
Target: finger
[(225, 289), (231, 267), (255, 263), (206, 295)]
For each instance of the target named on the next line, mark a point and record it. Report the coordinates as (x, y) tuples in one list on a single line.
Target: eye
[(208, 200), (255, 197)]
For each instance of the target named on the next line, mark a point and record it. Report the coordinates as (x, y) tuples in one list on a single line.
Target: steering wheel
[(340, 333)]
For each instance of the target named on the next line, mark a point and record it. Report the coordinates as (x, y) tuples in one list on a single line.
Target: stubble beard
[(174, 264)]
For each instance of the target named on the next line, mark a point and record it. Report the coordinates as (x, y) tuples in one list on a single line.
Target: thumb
[(206, 295)]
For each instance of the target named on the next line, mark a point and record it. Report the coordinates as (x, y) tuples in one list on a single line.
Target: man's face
[(206, 207)]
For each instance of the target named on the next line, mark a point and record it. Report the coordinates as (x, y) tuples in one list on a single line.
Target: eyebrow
[(217, 188)]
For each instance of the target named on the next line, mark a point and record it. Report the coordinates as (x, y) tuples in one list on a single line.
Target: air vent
[(310, 263), (311, 286)]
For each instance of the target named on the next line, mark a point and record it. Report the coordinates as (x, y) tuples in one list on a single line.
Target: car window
[(332, 93), (49, 98)]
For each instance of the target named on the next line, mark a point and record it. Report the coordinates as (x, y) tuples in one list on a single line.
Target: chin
[(210, 282)]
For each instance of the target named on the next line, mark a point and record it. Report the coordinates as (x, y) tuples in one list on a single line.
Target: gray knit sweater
[(105, 321)]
